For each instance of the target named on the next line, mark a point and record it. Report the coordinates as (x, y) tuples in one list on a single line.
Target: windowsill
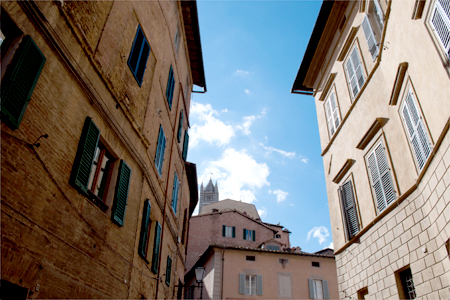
[(97, 201)]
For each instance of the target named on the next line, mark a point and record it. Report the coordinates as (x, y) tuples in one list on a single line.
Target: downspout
[(223, 263)]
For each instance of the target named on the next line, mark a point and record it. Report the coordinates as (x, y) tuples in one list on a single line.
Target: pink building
[(242, 273)]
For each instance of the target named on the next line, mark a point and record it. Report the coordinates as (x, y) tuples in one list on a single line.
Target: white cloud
[(245, 127), (331, 246), (247, 91), (292, 204), (262, 212), (241, 72), (281, 195), (305, 160), (320, 233), (211, 130), (238, 175), (282, 152)]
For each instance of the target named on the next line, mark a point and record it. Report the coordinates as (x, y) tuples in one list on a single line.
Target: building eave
[(191, 173)]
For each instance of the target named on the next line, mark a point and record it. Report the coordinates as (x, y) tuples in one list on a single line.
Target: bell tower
[(209, 194)]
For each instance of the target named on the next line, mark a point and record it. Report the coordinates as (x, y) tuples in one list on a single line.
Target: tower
[(209, 194)]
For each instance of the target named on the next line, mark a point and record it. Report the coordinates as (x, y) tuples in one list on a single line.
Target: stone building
[(233, 272), (379, 71), (209, 194), (96, 192)]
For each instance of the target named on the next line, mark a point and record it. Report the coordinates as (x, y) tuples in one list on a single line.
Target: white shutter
[(380, 176), (311, 288), (355, 73), (348, 201), (416, 130), (441, 23), (332, 113), (370, 37), (241, 283)]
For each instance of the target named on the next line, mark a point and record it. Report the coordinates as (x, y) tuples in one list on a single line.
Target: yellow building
[(96, 192), (379, 71)]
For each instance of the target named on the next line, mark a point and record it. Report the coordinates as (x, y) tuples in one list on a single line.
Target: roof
[(191, 173), (192, 30), (319, 43), (229, 204)]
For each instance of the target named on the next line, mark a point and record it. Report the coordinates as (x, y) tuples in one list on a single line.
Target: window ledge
[(398, 83), (368, 136), (348, 164)]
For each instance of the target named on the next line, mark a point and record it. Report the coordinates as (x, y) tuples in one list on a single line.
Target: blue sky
[(248, 132)]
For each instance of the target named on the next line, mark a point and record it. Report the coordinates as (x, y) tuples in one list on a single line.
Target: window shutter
[(160, 149), (176, 185), (140, 51), (259, 285), (253, 235), (245, 233), (311, 288), (370, 37), (185, 145), (224, 228), (156, 244), (170, 87), (121, 195), (381, 178), (84, 158), (180, 126), (329, 117), (20, 80), (145, 227), (354, 72), (358, 68), (326, 294), (416, 130), (233, 232), (441, 23), (348, 201), (332, 113), (241, 283), (168, 270)]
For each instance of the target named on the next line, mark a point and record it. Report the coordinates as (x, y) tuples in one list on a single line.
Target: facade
[(209, 194), (96, 191), (252, 273), (379, 71)]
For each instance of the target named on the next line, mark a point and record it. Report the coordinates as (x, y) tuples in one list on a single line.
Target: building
[(233, 272), (232, 227), (379, 71), (96, 192), (209, 194)]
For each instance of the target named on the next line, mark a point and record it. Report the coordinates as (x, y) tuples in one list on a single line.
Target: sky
[(248, 132)]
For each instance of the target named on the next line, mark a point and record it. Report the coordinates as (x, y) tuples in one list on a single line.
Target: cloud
[(292, 204), (241, 72), (247, 121), (211, 129), (247, 91), (305, 160), (282, 152), (262, 212), (331, 246), (281, 195), (238, 175), (321, 233)]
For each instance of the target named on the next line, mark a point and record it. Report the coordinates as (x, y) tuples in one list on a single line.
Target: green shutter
[(160, 150), (253, 235), (224, 228), (156, 244), (180, 126), (311, 288), (176, 185), (245, 233), (145, 227), (20, 80), (168, 270), (121, 195), (84, 158), (185, 145), (234, 232)]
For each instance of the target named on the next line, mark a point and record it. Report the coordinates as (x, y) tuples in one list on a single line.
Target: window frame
[(345, 219), (135, 69), (357, 48), (229, 231), (249, 235), (421, 123), (388, 163), (338, 112), (258, 284), (445, 53)]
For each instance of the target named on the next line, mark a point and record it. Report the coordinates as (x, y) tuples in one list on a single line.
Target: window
[(168, 270), (160, 149), (91, 173), (362, 293), (380, 177), (249, 235), (180, 127), (315, 264), (318, 289), (21, 74), (278, 236), (176, 185), (185, 145), (250, 284), (349, 210), (137, 60), (415, 129), (332, 113), (250, 258), (405, 284), (156, 246), (370, 38), (273, 247), (170, 87), (440, 22), (176, 41), (229, 231), (447, 247), (284, 285), (12, 291), (354, 72), (145, 231)]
